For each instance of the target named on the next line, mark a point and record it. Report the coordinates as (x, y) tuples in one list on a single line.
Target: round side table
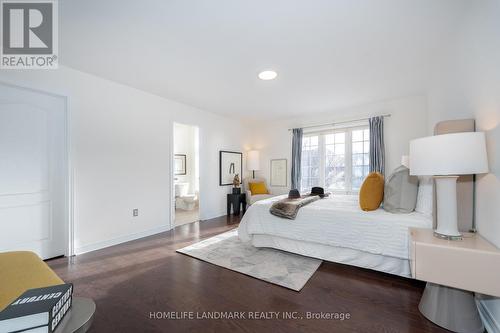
[(79, 318)]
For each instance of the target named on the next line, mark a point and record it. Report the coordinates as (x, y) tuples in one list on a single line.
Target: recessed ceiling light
[(268, 75)]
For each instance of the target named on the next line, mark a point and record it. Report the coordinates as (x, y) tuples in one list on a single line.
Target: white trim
[(489, 321), (70, 194), (120, 240), (172, 175), (214, 216), (131, 237)]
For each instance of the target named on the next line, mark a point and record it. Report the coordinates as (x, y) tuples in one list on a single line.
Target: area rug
[(282, 268)]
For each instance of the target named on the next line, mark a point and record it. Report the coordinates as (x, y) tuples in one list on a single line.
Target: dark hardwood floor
[(132, 280)]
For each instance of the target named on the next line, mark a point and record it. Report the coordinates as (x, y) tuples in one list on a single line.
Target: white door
[(33, 172)]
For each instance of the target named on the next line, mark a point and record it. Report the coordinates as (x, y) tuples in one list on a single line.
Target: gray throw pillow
[(400, 192)]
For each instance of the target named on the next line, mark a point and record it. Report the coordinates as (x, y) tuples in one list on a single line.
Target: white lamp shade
[(449, 154), (253, 160)]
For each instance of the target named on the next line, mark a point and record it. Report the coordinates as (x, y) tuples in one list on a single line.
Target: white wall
[(466, 84), (121, 153), (408, 121)]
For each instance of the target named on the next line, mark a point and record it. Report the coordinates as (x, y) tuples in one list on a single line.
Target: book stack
[(37, 310)]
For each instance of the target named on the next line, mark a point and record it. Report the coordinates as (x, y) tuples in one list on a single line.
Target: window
[(360, 157), (337, 160), (310, 161)]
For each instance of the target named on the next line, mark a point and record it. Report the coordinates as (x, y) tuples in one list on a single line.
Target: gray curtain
[(377, 148), (296, 157)]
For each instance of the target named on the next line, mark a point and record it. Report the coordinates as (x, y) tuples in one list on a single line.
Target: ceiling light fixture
[(268, 75)]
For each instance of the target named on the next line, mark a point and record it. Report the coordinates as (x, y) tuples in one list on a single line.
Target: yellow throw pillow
[(372, 192), (258, 188)]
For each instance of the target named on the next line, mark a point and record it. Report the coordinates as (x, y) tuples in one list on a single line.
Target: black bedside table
[(236, 200)]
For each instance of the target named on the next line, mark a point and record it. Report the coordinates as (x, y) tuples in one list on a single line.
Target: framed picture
[(179, 164), (279, 172), (230, 164)]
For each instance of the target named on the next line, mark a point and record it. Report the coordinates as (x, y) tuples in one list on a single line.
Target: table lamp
[(446, 157), (405, 161), (253, 161)]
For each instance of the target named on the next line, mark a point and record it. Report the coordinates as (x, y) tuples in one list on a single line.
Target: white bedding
[(336, 221), (338, 254)]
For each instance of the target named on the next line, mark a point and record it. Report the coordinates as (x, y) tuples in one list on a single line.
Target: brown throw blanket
[(288, 208)]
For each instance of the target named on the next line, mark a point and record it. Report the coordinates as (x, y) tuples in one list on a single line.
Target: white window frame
[(348, 155)]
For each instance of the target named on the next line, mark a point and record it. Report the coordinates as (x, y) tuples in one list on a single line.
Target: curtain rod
[(343, 122)]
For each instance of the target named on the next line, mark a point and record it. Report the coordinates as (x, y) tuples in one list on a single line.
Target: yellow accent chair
[(252, 198), (20, 271)]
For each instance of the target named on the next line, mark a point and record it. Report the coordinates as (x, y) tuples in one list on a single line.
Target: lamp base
[(451, 308), (447, 221), (447, 237)]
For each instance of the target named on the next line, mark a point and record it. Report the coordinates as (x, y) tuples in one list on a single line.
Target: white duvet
[(336, 221)]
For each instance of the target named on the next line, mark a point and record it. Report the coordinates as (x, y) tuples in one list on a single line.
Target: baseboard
[(131, 237), (119, 240), (489, 321), (213, 216)]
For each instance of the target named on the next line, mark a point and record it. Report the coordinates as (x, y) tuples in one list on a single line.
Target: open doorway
[(186, 174)]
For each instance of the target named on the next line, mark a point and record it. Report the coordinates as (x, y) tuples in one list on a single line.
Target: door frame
[(68, 162), (172, 175)]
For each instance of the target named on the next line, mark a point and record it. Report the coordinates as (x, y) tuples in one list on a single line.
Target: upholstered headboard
[(465, 186)]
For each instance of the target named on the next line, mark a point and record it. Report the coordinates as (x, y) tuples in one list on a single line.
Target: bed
[(336, 229)]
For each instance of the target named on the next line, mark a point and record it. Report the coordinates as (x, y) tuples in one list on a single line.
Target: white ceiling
[(329, 54)]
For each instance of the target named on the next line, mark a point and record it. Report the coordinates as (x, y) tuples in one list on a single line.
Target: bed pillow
[(400, 192), (258, 188), (371, 193), (425, 195)]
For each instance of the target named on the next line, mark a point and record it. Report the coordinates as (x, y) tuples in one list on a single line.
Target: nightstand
[(454, 270), (236, 200)]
